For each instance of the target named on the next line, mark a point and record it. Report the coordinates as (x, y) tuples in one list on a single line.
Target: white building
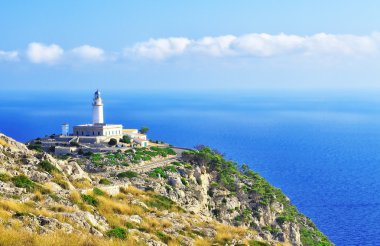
[(98, 128)]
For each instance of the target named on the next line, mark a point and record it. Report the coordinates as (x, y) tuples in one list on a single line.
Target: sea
[(321, 148)]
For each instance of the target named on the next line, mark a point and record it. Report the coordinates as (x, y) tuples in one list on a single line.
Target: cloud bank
[(258, 45), (253, 45)]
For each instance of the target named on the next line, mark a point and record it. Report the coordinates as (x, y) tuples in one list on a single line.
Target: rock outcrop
[(195, 202)]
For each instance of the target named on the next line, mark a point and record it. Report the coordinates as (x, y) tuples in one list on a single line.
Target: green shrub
[(158, 172), (176, 163), (35, 147), (257, 243), (163, 237), (184, 181), (127, 174), (4, 177), (126, 139), (160, 202), (117, 232), (47, 166), (98, 191), (23, 181), (112, 142), (90, 200), (105, 181), (170, 168), (188, 166)]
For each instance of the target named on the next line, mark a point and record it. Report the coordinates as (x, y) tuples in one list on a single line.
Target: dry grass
[(82, 183), (76, 199), (202, 242), (225, 233), (173, 243), (3, 143), (12, 237), (61, 208), (38, 196), (150, 224), (5, 215), (166, 223), (60, 179), (132, 190), (13, 206), (112, 208)]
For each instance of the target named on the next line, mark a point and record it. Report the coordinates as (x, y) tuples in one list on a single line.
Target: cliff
[(200, 199)]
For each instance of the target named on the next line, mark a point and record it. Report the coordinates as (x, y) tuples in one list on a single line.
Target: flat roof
[(99, 125)]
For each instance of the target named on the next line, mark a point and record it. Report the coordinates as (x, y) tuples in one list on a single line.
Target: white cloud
[(259, 45), (248, 45), (159, 49), (41, 53), (8, 55), (89, 53)]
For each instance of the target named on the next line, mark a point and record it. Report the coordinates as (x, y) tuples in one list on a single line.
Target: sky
[(192, 45)]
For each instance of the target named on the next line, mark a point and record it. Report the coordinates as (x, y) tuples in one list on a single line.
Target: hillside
[(201, 199)]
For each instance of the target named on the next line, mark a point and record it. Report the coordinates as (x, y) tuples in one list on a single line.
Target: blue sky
[(197, 45)]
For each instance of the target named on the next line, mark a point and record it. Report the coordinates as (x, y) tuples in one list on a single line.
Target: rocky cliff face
[(201, 200)]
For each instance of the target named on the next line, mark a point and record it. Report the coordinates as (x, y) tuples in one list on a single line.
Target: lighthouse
[(98, 130), (97, 109)]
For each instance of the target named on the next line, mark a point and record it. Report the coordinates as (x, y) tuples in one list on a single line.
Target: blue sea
[(322, 149)]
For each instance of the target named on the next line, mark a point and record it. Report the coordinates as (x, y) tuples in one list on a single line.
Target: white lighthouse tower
[(97, 109)]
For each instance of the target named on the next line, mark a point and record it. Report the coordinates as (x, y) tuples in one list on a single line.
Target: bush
[(144, 130), (47, 166), (105, 181), (35, 147), (163, 237), (160, 202), (127, 174), (117, 232), (23, 181), (112, 142), (126, 139), (170, 168), (257, 243), (158, 172), (98, 192), (184, 181), (90, 200)]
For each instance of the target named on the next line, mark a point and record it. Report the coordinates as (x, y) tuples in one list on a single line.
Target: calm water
[(321, 149)]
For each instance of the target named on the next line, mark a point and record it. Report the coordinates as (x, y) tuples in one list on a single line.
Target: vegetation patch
[(160, 202), (98, 192), (158, 172), (184, 181), (313, 237), (23, 181), (90, 200), (257, 243), (4, 177), (127, 174), (163, 236), (117, 232), (47, 166), (105, 181)]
